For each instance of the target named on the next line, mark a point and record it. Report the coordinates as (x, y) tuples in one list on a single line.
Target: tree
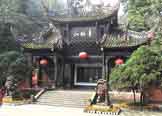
[(142, 69), (14, 16), (15, 64), (12, 22), (143, 14)]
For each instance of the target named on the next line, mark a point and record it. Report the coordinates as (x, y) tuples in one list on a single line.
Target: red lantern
[(43, 62), (119, 61), (83, 55), (150, 35), (34, 79)]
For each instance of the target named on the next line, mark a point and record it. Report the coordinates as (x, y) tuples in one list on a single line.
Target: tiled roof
[(48, 40), (132, 39), (33, 45), (53, 39), (45, 44)]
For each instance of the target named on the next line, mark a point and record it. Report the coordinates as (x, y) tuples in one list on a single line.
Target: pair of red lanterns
[(84, 55)]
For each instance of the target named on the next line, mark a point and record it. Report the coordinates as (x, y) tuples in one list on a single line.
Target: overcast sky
[(95, 2), (105, 2), (111, 3)]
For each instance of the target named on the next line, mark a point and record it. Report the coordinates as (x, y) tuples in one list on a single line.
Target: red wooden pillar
[(35, 79)]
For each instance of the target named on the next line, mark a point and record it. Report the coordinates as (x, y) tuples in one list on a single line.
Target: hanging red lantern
[(83, 55), (150, 35), (34, 79), (119, 61), (43, 62)]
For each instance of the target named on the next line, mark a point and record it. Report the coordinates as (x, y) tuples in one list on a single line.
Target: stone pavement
[(43, 110), (66, 98), (63, 103), (78, 98)]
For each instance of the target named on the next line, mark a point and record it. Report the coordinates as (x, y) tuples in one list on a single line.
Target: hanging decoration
[(34, 79), (44, 62), (83, 55), (119, 61)]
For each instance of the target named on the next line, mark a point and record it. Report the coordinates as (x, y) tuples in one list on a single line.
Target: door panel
[(87, 75)]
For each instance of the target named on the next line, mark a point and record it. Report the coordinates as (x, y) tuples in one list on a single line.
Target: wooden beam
[(118, 53), (107, 100), (106, 64), (77, 57), (103, 65), (107, 30), (30, 63), (55, 69), (63, 73), (68, 32), (97, 31)]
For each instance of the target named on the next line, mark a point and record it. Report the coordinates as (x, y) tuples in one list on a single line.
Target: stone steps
[(77, 99), (73, 98)]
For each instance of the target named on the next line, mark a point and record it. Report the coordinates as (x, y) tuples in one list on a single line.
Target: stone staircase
[(65, 98)]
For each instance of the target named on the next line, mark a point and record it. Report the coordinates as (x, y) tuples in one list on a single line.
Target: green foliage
[(14, 18), (8, 44), (143, 67), (9, 7), (11, 13), (143, 14), (13, 63), (19, 68), (136, 21), (12, 22)]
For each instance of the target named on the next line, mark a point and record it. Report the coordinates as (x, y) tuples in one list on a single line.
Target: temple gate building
[(77, 50)]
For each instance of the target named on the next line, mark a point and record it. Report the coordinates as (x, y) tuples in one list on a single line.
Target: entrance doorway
[(87, 74), (44, 71)]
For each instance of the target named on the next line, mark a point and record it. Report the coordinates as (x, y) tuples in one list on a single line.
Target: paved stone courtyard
[(78, 98), (140, 113), (44, 110), (62, 103)]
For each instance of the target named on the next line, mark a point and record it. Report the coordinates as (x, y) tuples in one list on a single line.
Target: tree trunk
[(108, 98), (134, 95), (141, 98)]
